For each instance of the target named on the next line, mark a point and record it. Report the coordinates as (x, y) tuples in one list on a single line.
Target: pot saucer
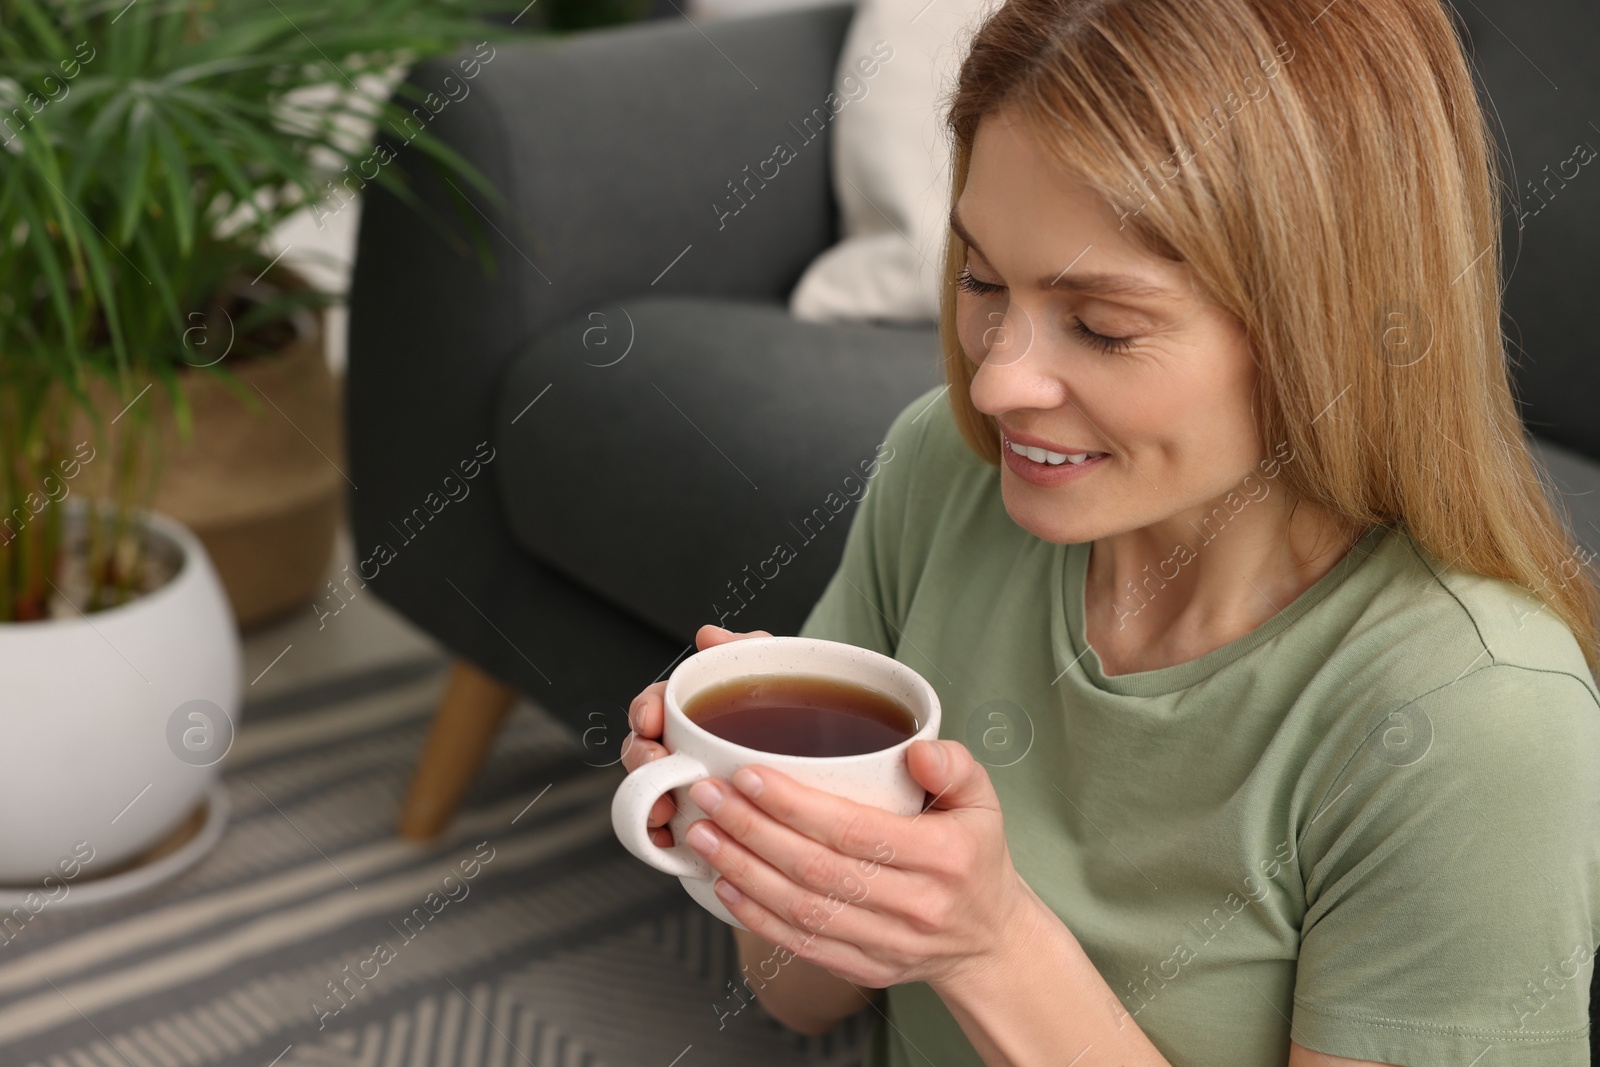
[(167, 858)]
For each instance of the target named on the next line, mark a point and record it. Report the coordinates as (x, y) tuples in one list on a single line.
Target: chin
[(1051, 520)]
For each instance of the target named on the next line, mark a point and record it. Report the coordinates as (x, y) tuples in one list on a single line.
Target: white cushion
[(890, 162)]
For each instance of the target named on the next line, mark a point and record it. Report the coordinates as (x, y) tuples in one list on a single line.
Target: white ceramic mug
[(877, 778)]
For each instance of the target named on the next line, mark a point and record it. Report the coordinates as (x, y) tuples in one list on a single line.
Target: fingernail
[(728, 891), (748, 781), (702, 840), (939, 756), (706, 794)]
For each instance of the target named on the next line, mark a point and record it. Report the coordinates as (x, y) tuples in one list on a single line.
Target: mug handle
[(631, 805)]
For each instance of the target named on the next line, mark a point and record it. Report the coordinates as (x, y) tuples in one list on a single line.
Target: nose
[(1011, 374)]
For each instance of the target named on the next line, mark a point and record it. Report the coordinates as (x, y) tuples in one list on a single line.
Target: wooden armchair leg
[(469, 716)]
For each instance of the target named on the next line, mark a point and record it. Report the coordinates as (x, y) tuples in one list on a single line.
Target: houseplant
[(146, 151)]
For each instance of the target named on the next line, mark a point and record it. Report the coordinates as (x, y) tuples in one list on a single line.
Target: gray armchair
[(654, 420), (648, 419)]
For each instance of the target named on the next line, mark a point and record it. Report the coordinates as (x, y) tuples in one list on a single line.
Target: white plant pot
[(96, 748)]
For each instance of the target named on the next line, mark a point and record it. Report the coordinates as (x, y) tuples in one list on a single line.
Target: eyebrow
[(1092, 283)]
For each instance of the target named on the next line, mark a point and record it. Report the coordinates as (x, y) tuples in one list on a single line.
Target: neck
[(1172, 591)]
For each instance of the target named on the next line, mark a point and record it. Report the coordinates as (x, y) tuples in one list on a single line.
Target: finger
[(838, 914), (862, 831), (663, 809), (662, 836), (803, 860), (789, 943), (646, 713), (637, 751), (711, 635), (951, 775)]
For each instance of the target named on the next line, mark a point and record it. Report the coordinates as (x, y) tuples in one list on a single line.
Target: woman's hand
[(876, 898), (647, 715)]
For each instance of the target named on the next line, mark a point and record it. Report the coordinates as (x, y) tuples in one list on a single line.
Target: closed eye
[(1094, 340), (973, 285)]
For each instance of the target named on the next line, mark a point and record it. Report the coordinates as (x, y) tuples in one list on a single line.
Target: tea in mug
[(801, 715)]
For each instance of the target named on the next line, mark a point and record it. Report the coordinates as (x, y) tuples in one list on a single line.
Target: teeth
[(1054, 459)]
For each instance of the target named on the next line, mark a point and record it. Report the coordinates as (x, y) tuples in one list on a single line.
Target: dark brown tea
[(801, 715)]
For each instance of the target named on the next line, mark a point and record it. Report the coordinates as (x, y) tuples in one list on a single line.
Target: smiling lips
[(1040, 454)]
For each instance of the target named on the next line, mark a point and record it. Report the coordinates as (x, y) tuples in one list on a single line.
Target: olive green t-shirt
[(1371, 825)]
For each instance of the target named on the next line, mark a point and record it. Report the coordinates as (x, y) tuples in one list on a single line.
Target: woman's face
[(1164, 413)]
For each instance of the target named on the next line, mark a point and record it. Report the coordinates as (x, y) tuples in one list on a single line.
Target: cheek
[(1230, 393), (1209, 422), (973, 322)]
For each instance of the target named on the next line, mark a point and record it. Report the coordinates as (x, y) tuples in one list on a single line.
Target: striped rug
[(526, 935)]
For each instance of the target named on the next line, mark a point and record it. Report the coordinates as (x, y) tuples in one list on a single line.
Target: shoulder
[(932, 458), (1502, 735), (1451, 682), (1535, 730), (1512, 625), (928, 422), (922, 477), (1430, 628), (1493, 775)]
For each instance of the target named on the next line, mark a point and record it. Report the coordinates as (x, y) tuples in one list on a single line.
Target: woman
[(1270, 735)]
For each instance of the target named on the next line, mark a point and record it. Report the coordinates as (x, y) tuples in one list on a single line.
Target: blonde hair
[(1327, 173)]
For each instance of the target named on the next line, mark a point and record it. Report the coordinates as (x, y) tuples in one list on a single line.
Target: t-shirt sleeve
[(1453, 880), (863, 603)]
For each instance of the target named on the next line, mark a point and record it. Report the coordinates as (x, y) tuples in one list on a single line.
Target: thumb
[(710, 635), (950, 773)]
